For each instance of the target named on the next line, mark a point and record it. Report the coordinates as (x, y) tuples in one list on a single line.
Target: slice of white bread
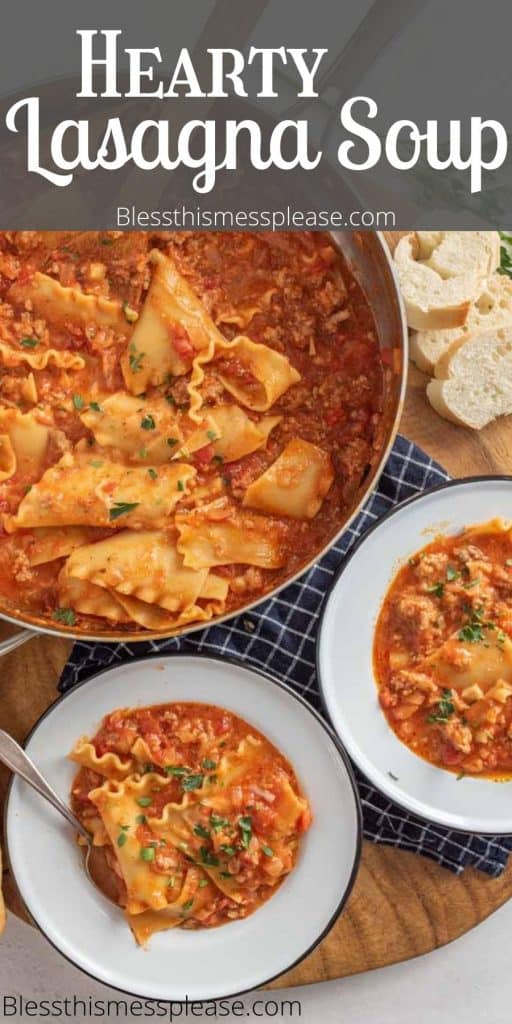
[(442, 272), (492, 309), (477, 384)]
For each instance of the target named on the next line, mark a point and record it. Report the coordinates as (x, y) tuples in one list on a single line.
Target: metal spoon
[(15, 758)]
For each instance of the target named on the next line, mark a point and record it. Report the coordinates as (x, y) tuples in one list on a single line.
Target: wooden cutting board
[(402, 904)]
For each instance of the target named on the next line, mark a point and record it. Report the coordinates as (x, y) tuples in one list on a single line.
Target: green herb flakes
[(65, 615), (144, 801), (200, 830), (121, 508), (135, 358), (147, 422), (245, 826), (29, 342), (147, 853), (444, 708), (78, 402), (437, 589), (208, 858), (190, 782)]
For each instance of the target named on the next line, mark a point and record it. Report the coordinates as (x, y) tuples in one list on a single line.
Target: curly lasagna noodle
[(198, 815), (443, 652), (184, 419)]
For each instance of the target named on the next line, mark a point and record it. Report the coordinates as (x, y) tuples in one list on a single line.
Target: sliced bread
[(477, 384), (441, 273), (492, 309)]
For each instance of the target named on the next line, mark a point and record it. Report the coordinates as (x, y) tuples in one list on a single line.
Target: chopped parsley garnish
[(78, 402), (437, 589), (180, 485), (147, 853), (452, 574), (228, 850), (121, 839), (200, 830), (141, 819), (176, 769), (212, 436), (474, 583), (472, 632), (267, 850), (143, 453), (245, 826), (203, 883), (29, 342), (135, 358), (144, 801), (147, 422), (225, 874), (187, 906), (95, 406), (153, 473), (65, 615), (208, 764), (97, 463), (505, 254), (443, 709), (120, 508), (190, 782), (172, 441), (170, 399), (208, 858), (218, 823)]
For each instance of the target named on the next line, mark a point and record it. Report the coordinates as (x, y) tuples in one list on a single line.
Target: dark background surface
[(419, 59)]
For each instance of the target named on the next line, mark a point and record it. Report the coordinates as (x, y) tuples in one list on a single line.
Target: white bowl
[(207, 964), (345, 668)]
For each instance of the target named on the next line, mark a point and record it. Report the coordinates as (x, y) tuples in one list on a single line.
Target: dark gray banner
[(274, 114)]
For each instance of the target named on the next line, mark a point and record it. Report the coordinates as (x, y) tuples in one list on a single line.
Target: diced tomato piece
[(450, 755), (204, 456), (181, 342)]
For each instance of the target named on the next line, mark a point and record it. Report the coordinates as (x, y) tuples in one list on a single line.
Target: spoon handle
[(15, 758)]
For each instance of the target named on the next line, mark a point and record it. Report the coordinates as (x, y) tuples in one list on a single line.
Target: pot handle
[(15, 641)]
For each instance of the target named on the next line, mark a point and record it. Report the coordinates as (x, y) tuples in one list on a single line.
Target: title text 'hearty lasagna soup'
[(184, 420), (199, 816), (443, 652)]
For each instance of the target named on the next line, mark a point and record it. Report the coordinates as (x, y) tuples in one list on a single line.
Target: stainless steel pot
[(368, 258)]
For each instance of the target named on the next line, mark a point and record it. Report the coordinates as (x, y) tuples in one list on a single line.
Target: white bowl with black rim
[(345, 658), (210, 963)]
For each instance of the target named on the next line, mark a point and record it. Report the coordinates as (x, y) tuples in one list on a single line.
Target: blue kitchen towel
[(279, 636)]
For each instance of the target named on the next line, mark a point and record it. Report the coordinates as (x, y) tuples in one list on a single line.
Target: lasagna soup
[(198, 814), (184, 420), (443, 652)]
